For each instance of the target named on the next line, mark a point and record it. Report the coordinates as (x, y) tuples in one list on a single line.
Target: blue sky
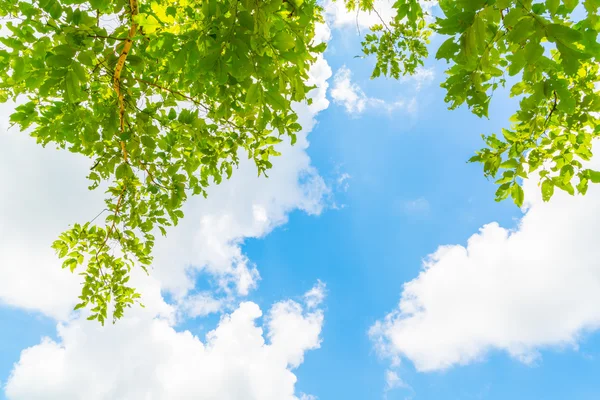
[(378, 191)]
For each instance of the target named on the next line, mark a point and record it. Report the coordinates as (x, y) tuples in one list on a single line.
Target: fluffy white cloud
[(518, 291), (43, 190), (347, 93), (353, 98), (201, 304), (145, 358)]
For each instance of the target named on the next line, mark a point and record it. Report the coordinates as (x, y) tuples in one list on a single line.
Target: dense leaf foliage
[(557, 63), (165, 96)]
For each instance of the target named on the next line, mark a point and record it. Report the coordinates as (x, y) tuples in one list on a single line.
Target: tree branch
[(119, 68)]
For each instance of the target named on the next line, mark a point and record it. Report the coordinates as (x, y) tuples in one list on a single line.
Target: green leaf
[(320, 48), (552, 5), (503, 191), (253, 94), (86, 59), (562, 33), (283, 41), (570, 5), (569, 58), (533, 51), (582, 186), (123, 171), (593, 176), (179, 60), (18, 69), (510, 164), (517, 62), (517, 194), (447, 50), (273, 140), (79, 71), (72, 88), (52, 7), (547, 189), (58, 61), (522, 30)]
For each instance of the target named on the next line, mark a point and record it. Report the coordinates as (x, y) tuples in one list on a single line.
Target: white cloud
[(201, 305), (342, 181), (143, 358), (517, 291), (322, 33), (347, 93), (393, 381), (316, 295), (291, 332), (42, 192), (421, 78), (351, 96)]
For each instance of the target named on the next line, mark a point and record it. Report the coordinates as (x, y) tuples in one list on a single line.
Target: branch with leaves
[(115, 90)]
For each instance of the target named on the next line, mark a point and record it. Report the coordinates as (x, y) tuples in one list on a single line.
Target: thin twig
[(106, 37), (551, 111), (109, 231), (99, 214)]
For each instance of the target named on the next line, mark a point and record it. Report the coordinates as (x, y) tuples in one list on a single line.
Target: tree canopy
[(165, 97)]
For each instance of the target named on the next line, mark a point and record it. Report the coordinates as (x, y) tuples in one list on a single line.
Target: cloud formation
[(43, 191), (142, 358), (517, 291), (350, 95)]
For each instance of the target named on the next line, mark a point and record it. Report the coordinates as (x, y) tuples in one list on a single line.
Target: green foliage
[(556, 59), (399, 45), (166, 100), (164, 103), (542, 42)]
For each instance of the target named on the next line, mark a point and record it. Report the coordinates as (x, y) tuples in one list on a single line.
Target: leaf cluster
[(164, 97)]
